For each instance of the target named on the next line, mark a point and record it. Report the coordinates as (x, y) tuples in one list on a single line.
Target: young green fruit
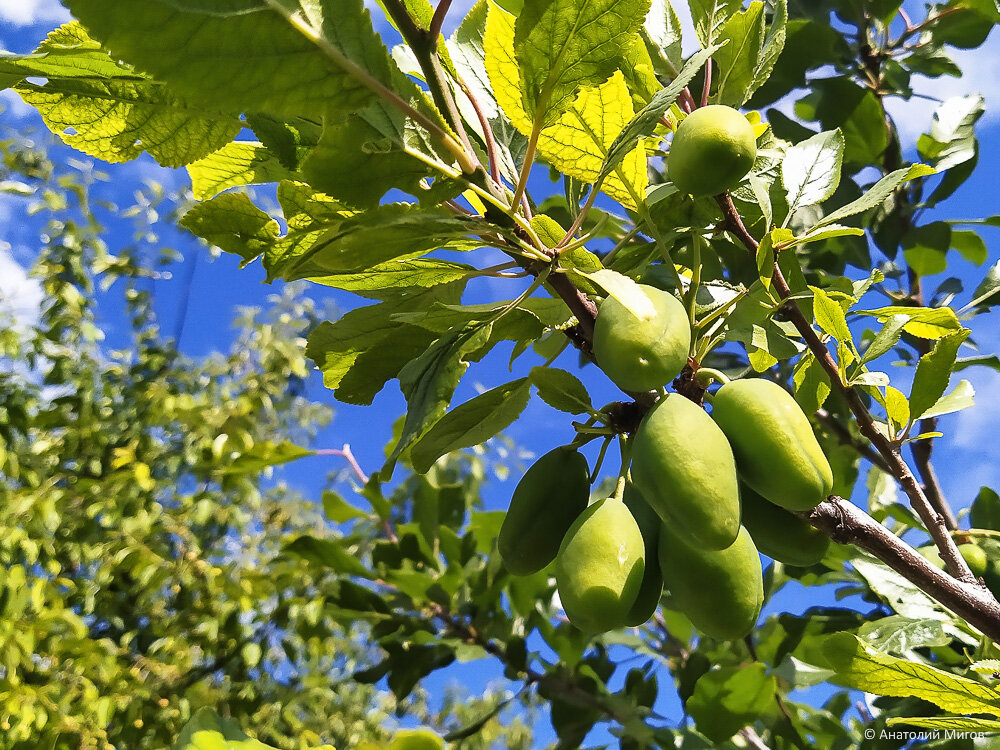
[(416, 739), (713, 149), (684, 468), (599, 567), (975, 557), (776, 450), (553, 492), (779, 534), (720, 591), (648, 598), (640, 354)]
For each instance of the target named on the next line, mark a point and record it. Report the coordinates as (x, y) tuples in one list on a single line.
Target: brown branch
[(845, 523), (437, 21), (706, 89), (888, 450), (846, 438)]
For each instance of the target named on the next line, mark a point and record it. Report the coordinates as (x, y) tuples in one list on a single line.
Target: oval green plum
[(642, 354), (552, 494), (600, 566), (776, 450), (720, 591), (684, 468), (713, 149), (648, 598), (780, 534)]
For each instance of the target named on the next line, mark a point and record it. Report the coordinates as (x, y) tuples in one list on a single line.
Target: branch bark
[(845, 523)]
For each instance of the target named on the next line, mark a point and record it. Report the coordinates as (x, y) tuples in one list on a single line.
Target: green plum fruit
[(713, 149), (640, 354), (553, 492), (416, 739), (780, 534), (720, 591), (600, 566), (776, 450), (684, 468), (649, 524)]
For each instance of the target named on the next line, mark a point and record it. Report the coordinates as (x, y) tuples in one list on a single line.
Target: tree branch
[(889, 451), (845, 523)]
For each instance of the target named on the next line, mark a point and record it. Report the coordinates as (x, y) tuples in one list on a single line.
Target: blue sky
[(965, 458)]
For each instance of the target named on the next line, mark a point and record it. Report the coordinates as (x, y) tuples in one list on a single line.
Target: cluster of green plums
[(706, 493)]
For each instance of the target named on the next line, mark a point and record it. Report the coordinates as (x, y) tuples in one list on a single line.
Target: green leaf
[(985, 511), (765, 259), (970, 245), (710, 16), (561, 390), (339, 510), (925, 248), (811, 385), (774, 45), (738, 60), (839, 103), (952, 138), (245, 55), (810, 171), (564, 45), (830, 317), (235, 165), (472, 423), (897, 408), (826, 233), (861, 667), (886, 338), (934, 372), (729, 698), (645, 122), (901, 595), (878, 193), (624, 289), (338, 240), (898, 634), (429, 381), (397, 276), (264, 454), (330, 554), (662, 31), (208, 731), (232, 223), (961, 397), (108, 110), (973, 726), (922, 322)]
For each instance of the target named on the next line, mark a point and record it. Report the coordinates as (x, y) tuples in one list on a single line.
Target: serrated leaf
[(232, 223), (397, 276), (922, 322), (859, 666), (902, 596), (810, 170), (826, 233), (738, 60), (563, 46), (710, 16), (897, 407), (886, 338), (234, 165), (973, 726), (986, 666), (934, 372), (962, 397), (245, 55), (471, 424), (578, 140), (110, 111), (662, 29), (561, 390), (774, 45), (429, 381), (952, 137), (878, 193), (830, 317), (897, 634), (645, 122)]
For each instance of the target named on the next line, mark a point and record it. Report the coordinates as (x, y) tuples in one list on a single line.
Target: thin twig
[(484, 123), (346, 454), (437, 21), (707, 88)]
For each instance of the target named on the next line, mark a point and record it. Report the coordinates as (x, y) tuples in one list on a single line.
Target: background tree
[(777, 276), (141, 540)]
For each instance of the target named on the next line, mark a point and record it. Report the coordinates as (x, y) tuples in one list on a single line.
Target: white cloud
[(20, 296), (29, 12)]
